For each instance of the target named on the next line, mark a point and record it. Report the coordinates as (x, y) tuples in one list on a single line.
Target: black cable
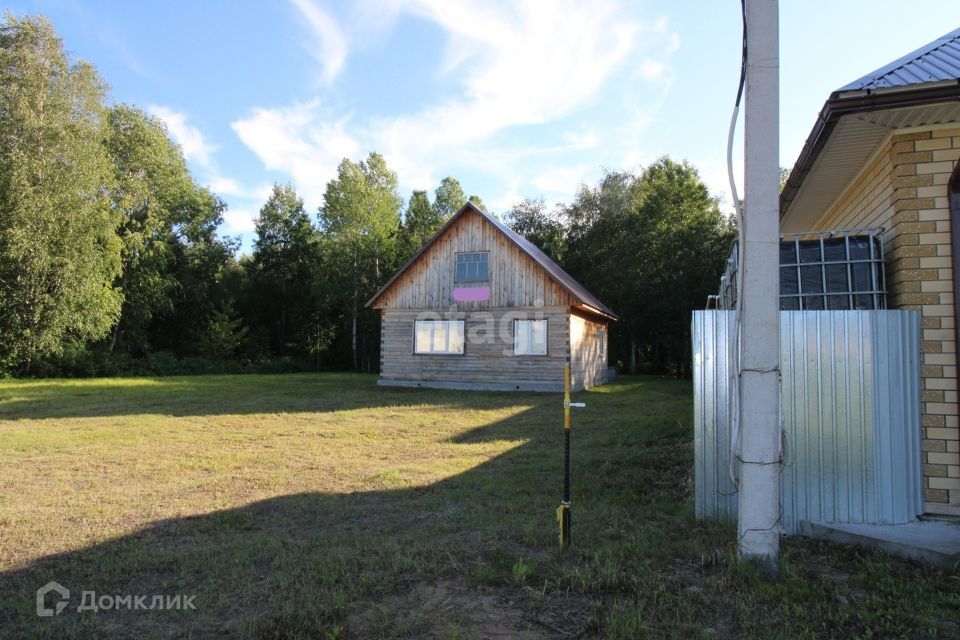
[(743, 55)]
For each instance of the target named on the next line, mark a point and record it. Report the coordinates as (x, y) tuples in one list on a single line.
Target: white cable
[(734, 355)]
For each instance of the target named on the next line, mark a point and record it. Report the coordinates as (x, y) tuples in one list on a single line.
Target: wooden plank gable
[(515, 279)]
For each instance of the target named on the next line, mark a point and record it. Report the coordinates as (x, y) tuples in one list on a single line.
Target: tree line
[(111, 263)]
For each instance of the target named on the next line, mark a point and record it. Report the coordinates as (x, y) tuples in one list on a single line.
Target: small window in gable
[(472, 267)]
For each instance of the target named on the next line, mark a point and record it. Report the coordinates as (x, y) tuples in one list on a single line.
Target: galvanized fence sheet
[(851, 416)]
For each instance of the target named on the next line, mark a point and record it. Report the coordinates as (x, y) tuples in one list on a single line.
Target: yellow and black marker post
[(563, 511)]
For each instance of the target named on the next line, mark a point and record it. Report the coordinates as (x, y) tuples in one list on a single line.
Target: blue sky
[(514, 99)]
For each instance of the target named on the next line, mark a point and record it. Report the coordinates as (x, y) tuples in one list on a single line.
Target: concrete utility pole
[(759, 497)]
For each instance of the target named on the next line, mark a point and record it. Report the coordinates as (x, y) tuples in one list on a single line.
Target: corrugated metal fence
[(850, 402)]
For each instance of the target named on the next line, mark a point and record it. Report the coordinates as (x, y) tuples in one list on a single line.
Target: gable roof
[(920, 89), (936, 61), (556, 273)]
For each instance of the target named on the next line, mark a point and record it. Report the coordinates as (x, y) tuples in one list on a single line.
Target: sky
[(514, 99)]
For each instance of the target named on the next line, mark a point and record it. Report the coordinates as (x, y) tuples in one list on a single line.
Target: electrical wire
[(735, 341)]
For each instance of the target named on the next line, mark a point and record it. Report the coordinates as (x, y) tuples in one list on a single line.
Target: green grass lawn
[(322, 506)]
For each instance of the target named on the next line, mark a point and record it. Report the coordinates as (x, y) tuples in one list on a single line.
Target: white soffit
[(851, 145)]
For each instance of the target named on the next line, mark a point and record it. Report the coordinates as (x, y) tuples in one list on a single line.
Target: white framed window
[(438, 337), (602, 342), (530, 337)]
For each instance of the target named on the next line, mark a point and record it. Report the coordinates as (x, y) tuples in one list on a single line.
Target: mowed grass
[(323, 506)]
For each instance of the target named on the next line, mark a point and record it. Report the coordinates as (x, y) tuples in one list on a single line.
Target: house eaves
[(856, 119)]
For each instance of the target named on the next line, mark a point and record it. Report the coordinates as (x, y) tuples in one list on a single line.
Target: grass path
[(324, 506)]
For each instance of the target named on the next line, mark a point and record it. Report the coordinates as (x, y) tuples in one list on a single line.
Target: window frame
[(546, 337), (456, 265), (431, 352)]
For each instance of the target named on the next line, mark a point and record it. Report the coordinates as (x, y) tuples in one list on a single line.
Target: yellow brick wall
[(904, 190)]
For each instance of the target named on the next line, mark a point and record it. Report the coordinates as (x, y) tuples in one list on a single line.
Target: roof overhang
[(849, 131), (590, 310)]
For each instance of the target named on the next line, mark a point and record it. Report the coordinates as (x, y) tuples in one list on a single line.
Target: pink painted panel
[(471, 294)]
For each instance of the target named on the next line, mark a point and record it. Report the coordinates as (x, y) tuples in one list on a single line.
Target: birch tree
[(59, 251), (360, 217)]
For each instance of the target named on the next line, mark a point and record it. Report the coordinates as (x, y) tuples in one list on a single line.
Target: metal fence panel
[(716, 496), (851, 416)]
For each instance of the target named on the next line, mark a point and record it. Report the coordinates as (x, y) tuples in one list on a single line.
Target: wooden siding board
[(588, 367), (484, 363)]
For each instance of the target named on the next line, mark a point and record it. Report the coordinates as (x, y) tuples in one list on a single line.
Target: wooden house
[(480, 307)]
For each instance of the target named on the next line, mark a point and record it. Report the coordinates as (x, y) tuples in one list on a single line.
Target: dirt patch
[(449, 609)]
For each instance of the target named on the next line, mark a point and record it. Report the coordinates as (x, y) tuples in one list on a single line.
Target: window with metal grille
[(820, 270), (472, 267), (831, 270)]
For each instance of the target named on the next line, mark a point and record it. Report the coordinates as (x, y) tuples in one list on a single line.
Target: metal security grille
[(839, 269), (832, 270)]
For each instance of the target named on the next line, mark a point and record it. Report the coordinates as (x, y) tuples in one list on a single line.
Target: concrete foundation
[(934, 542)]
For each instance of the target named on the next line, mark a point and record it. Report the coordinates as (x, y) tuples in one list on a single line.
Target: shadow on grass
[(205, 395), (412, 561), (298, 565)]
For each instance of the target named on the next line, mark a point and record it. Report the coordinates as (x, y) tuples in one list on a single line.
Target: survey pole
[(563, 512), (759, 454)]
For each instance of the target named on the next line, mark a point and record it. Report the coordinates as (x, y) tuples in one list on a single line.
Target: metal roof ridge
[(912, 57)]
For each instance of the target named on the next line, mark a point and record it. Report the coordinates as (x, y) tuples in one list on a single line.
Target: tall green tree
[(652, 247), (543, 228), (448, 198), (282, 268), (151, 182), (784, 175), (359, 218), (203, 263), (421, 221), (690, 240), (477, 201), (59, 253), (602, 253)]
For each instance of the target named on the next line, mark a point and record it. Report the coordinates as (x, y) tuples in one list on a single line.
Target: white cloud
[(505, 202), (300, 141), (651, 69), (512, 64), (225, 186), (513, 70), (195, 148), (239, 221), (328, 43), (581, 140), (562, 181), (236, 219)]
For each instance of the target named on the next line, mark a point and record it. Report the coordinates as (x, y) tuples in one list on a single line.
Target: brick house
[(884, 154)]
